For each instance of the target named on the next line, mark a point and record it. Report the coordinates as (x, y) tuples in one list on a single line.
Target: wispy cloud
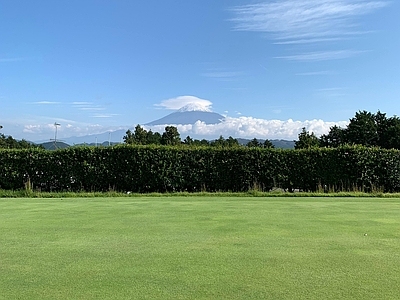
[(315, 73), (46, 102), (104, 115), (323, 23), (221, 75), (322, 55), (88, 106), (294, 21)]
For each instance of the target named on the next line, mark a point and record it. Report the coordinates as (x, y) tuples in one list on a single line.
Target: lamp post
[(55, 134)]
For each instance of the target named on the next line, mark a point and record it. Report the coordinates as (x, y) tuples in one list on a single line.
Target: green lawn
[(200, 248)]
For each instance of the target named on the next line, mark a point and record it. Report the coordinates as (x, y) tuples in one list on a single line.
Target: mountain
[(189, 114), (54, 146), (282, 144), (113, 137)]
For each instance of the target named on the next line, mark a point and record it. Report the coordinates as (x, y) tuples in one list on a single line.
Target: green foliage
[(170, 136), (147, 169), (221, 142), (367, 129), (268, 144), (142, 137), (254, 143), (8, 142), (306, 140)]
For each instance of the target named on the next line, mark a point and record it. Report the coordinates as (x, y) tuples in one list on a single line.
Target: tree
[(170, 136), (231, 142), (220, 142), (8, 142), (188, 141), (140, 135), (363, 129), (335, 137), (389, 133), (254, 143), (366, 129), (306, 140), (153, 138), (268, 144), (129, 137), (203, 142)]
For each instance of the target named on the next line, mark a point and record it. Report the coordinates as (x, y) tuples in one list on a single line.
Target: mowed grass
[(200, 248)]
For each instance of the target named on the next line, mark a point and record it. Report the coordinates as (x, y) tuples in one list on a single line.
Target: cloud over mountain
[(181, 101)]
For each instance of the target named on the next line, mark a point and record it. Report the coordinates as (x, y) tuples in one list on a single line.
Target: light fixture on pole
[(55, 134)]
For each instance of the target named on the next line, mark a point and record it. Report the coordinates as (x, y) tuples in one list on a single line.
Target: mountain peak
[(194, 107)]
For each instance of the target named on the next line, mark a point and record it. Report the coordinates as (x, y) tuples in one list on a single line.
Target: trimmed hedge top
[(144, 169)]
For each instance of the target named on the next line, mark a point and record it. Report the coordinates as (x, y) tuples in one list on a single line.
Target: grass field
[(200, 248)]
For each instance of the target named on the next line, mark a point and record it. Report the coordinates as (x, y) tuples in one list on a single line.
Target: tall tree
[(188, 141), (153, 138), (389, 133), (129, 137), (363, 129), (254, 143), (232, 142), (306, 140), (140, 135), (171, 136), (268, 144), (335, 137), (220, 142)]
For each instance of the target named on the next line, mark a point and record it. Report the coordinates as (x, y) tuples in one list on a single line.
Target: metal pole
[(55, 134)]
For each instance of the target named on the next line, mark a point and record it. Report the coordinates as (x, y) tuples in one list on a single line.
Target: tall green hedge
[(160, 169)]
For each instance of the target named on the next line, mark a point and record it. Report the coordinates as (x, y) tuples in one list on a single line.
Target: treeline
[(171, 137), (145, 169), (365, 128), (8, 142)]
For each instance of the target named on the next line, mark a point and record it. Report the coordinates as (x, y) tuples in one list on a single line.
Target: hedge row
[(161, 169)]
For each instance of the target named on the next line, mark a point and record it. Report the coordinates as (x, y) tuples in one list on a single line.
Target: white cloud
[(240, 127), (179, 102), (88, 106), (104, 115), (323, 55), (78, 103), (221, 75), (304, 21), (46, 131), (248, 127), (316, 73), (45, 102)]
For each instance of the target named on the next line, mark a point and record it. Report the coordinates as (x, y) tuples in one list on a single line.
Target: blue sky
[(271, 67)]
